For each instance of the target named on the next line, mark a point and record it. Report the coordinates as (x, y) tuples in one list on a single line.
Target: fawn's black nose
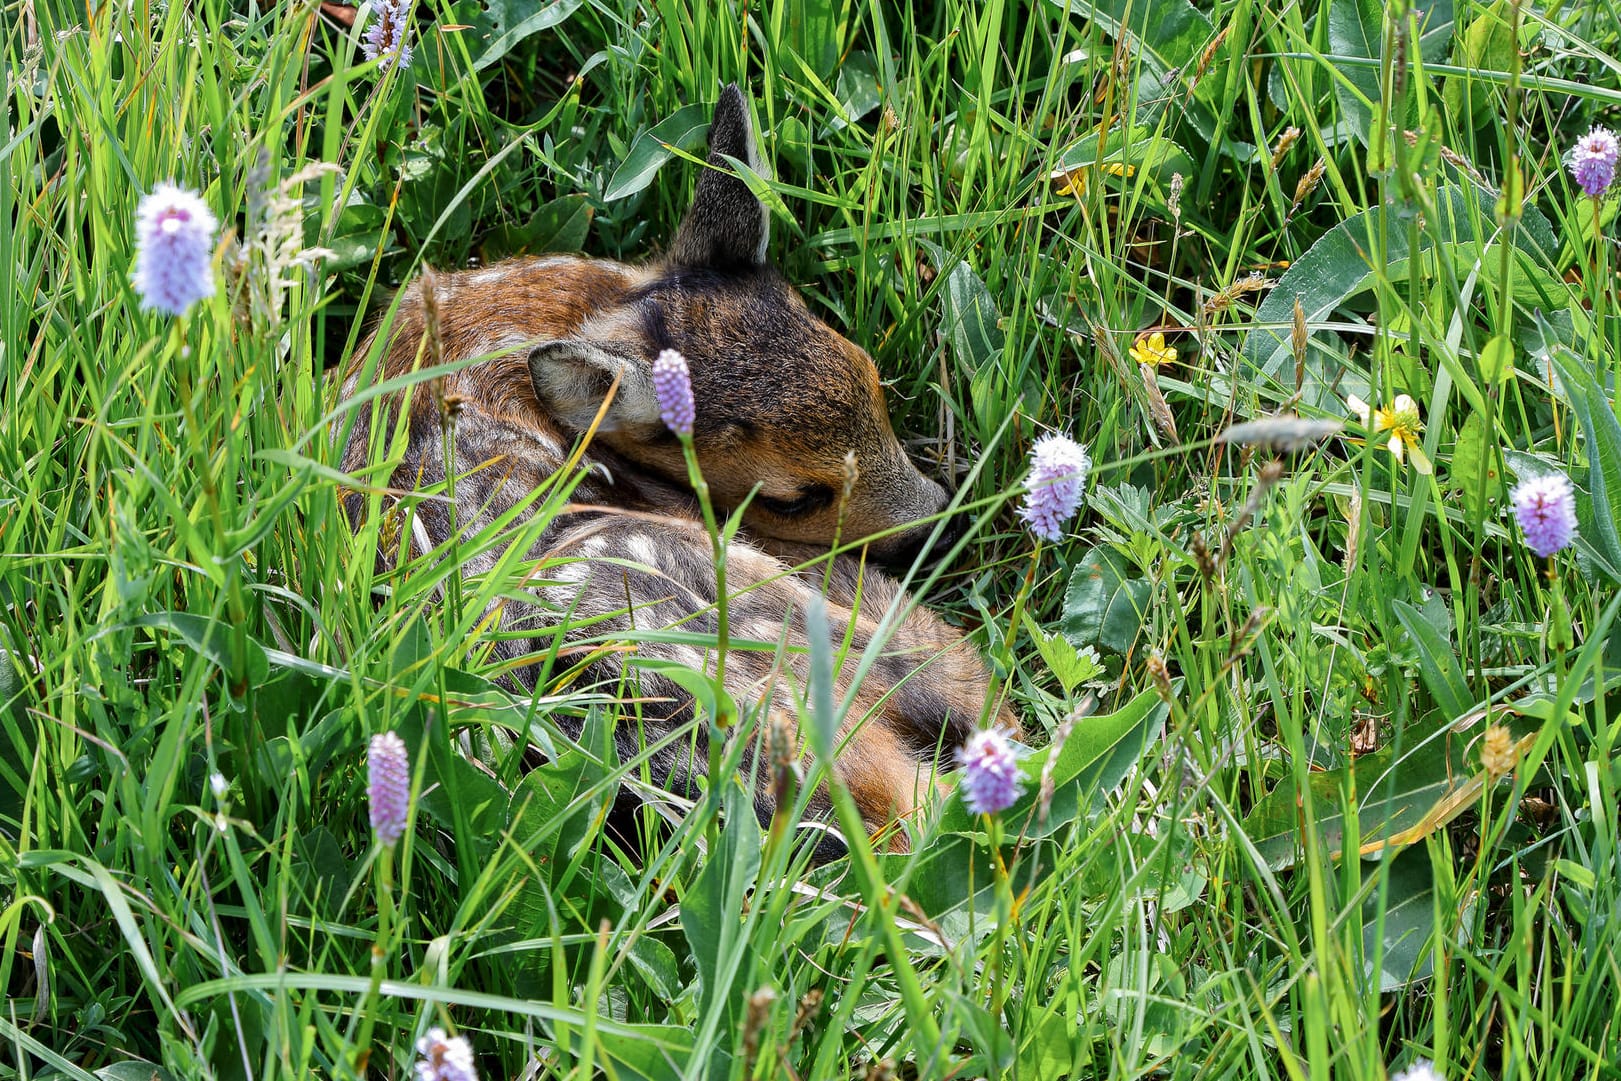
[(928, 541)]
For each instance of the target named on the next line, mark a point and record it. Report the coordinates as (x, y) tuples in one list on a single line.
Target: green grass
[(1296, 660)]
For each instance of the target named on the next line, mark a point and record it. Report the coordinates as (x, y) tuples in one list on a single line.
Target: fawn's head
[(782, 398)]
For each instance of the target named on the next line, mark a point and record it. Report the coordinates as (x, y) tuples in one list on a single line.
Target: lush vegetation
[(1260, 676)]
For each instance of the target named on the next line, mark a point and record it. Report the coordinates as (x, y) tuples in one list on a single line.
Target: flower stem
[(721, 719)]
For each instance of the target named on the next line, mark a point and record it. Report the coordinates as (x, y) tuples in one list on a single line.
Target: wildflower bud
[(1055, 486), (672, 386), (388, 788), (1592, 161), (1545, 507), (1497, 751), (174, 234), (388, 36), (445, 1058), (991, 781)]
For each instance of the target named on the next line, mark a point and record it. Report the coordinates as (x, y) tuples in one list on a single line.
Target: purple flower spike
[(445, 1058), (1592, 161), (388, 788), (1545, 507), (388, 35), (672, 386), (990, 772), (1053, 490), (174, 235)]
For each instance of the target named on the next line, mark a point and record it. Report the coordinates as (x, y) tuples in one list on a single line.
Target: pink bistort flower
[(388, 34), (388, 787), (174, 247), (672, 386), (1057, 481), (1592, 161), (1545, 507), (445, 1058), (990, 772)]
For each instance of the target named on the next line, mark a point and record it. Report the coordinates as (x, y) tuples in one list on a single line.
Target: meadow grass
[(1260, 674)]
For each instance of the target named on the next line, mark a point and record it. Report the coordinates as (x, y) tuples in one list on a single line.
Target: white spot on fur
[(640, 549)]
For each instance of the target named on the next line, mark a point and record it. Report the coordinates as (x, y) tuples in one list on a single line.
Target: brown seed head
[(1281, 147), (1160, 674), (1307, 185)]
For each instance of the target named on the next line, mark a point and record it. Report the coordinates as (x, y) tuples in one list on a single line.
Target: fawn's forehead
[(758, 354)]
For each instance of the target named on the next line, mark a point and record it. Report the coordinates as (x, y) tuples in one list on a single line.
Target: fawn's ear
[(727, 226), (573, 377)]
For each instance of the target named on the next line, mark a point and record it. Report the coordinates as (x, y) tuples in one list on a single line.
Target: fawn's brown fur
[(782, 402)]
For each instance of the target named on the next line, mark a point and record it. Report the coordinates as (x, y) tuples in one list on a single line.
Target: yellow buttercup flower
[(1152, 350), (1402, 421)]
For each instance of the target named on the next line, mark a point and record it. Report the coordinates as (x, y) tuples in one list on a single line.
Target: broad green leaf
[(132, 1071), (685, 128), (1045, 1050), (968, 313), (815, 34), (554, 815), (452, 786), (1144, 151), (1096, 757), (1474, 458), (559, 226), (1486, 46), (642, 1052), (1437, 662), (497, 25), (1173, 32), (1398, 801), (1104, 606), (1405, 949), (1355, 30), (1497, 360), (857, 90)]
